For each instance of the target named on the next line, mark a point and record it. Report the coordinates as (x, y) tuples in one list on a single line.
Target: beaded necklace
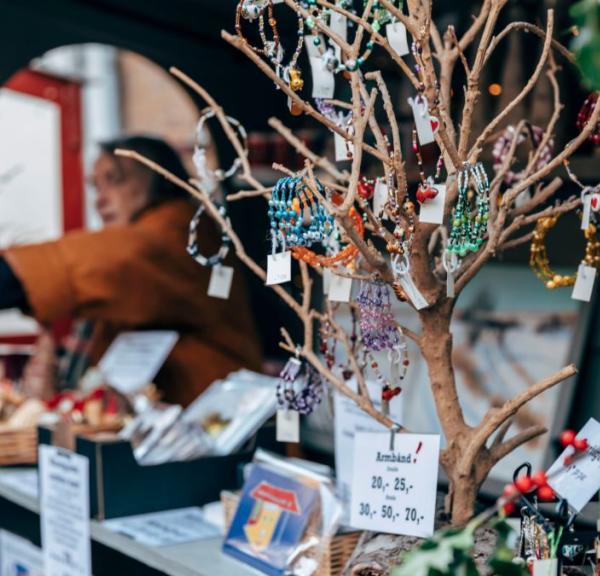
[(469, 221)]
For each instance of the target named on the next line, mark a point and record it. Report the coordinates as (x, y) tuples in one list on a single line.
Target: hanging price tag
[(586, 200), (545, 567), (394, 487), (279, 268), (342, 151), (288, 426), (219, 285), (396, 35), (423, 120), (578, 481), (323, 79), (408, 285), (584, 284), (380, 197), (340, 288), (326, 280), (432, 210)]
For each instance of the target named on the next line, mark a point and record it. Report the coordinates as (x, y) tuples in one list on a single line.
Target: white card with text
[(287, 426), (19, 557), (221, 278), (584, 283), (65, 512), (134, 358), (396, 35), (432, 210), (341, 148), (578, 481), (349, 419), (394, 488), (322, 78), (279, 268), (340, 288)]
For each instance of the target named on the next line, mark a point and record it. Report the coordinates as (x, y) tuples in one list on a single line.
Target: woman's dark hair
[(157, 150)]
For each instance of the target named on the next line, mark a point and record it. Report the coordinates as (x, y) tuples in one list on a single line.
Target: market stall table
[(111, 551)]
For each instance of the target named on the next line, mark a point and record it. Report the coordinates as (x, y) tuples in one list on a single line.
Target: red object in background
[(66, 94)]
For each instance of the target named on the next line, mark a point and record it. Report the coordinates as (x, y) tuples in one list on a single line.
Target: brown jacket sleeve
[(113, 274)]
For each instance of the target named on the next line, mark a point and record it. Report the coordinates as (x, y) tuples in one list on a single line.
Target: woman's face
[(122, 189)]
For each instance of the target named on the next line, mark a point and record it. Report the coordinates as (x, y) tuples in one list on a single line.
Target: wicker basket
[(20, 445), (335, 555)]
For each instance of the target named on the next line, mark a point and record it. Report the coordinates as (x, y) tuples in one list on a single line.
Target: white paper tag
[(349, 419), (288, 426), (341, 148), (450, 287), (578, 481), (420, 109), (394, 489), (339, 25), (326, 280), (340, 288), (584, 283), (396, 35), (279, 268), (413, 292), (432, 211), (221, 278), (323, 79), (380, 197), (65, 512), (587, 211), (134, 358), (545, 567)]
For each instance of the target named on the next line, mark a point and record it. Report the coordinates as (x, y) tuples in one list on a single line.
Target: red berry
[(509, 508), (546, 494), (580, 444), (567, 437), (524, 484), (365, 190), (509, 491), (540, 479)]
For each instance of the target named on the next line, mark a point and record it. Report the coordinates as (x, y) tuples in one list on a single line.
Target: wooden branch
[(500, 451), (476, 149), (238, 43), (495, 417), (475, 27)]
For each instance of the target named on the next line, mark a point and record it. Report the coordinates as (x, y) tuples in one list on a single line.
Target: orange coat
[(141, 276)]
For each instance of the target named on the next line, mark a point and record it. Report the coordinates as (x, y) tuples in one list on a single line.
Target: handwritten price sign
[(394, 488)]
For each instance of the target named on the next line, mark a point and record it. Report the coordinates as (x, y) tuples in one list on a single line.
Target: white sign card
[(134, 358), (19, 557), (432, 210), (340, 288), (279, 268), (323, 79), (165, 528), (396, 35), (586, 200), (221, 278), (349, 419), (584, 283), (287, 426), (545, 567), (394, 486), (65, 512), (578, 481)]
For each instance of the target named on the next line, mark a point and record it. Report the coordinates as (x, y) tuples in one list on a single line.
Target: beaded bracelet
[(296, 214), (250, 10), (297, 374), (192, 247), (469, 222), (426, 190), (200, 156), (344, 257), (538, 257), (503, 145)]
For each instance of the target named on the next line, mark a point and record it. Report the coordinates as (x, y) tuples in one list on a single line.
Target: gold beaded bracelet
[(538, 258)]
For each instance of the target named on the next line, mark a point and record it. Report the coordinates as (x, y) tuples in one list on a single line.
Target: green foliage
[(586, 16), (450, 553)]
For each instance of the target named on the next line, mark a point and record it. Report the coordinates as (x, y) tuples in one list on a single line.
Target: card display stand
[(119, 486)]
